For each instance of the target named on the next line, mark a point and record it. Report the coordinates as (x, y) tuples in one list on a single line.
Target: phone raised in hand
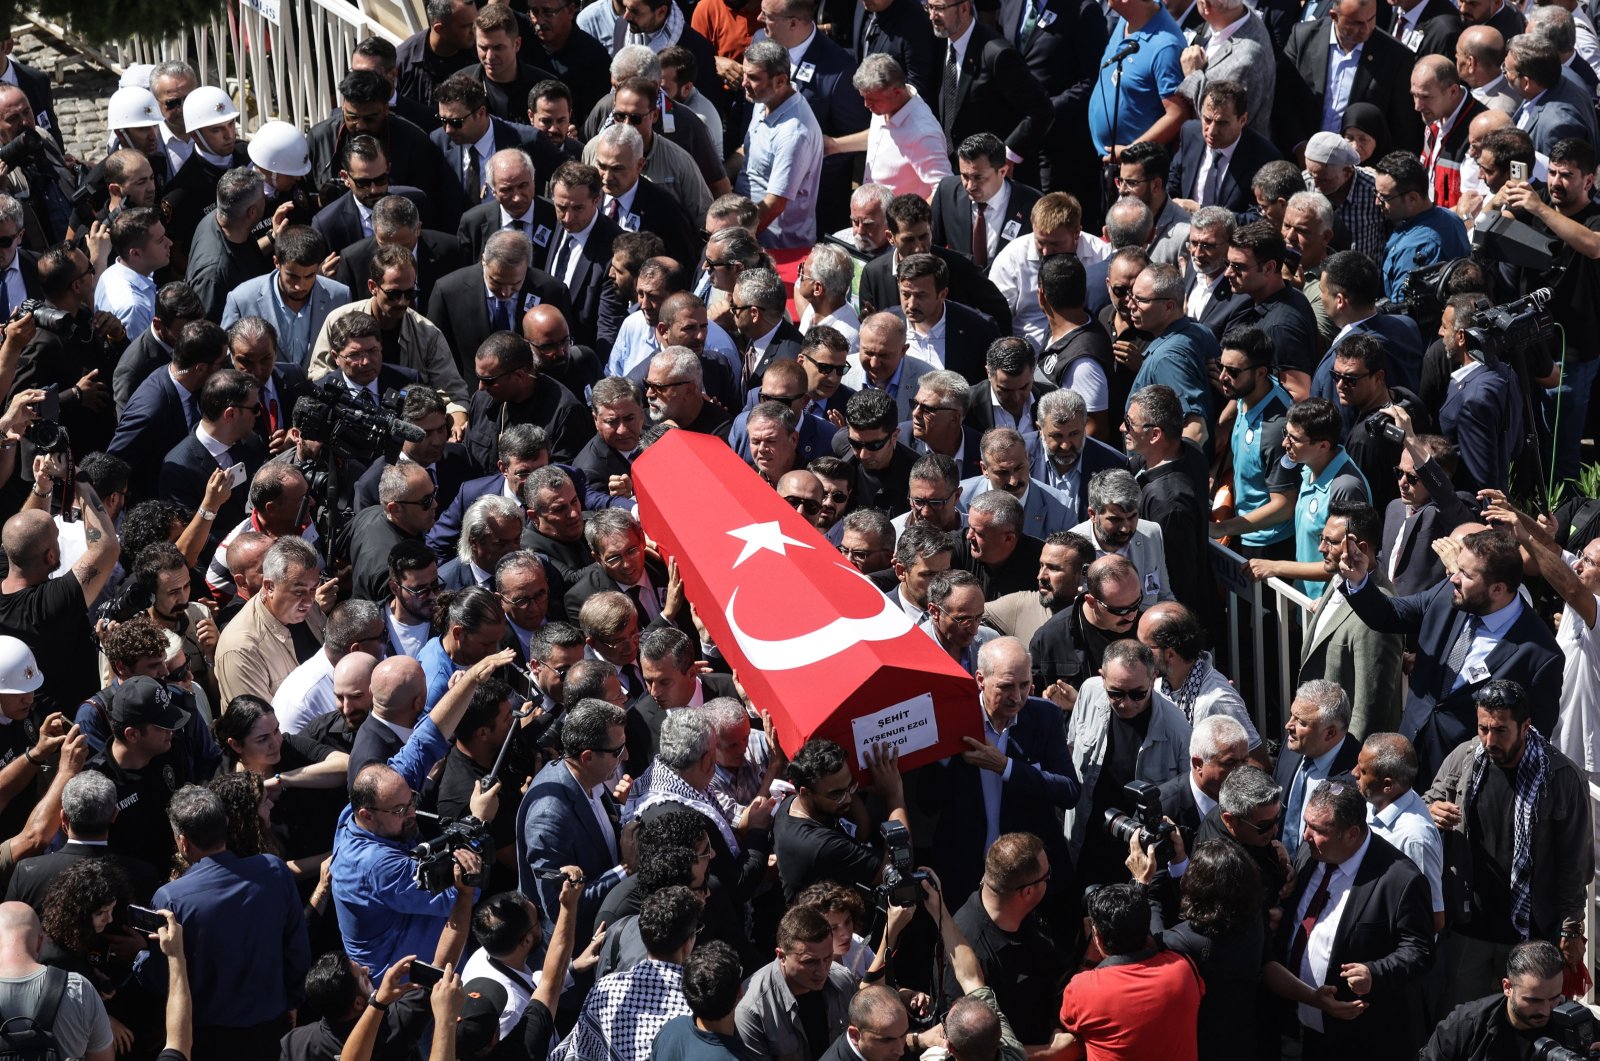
[(425, 974)]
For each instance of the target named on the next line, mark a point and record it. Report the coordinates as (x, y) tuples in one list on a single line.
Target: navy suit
[(1437, 718), (816, 437), (150, 426), (453, 192), (340, 221), (452, 469), (784, 346), (1042, 783), (657, 210), (446, 530), (1402, 341), (35, 84), (1289, 760), (555, 828), (290, 383), (437, 254), (1251, 153), (1095, 457), (879, 290), (375, 743), (1561, 113), (460, 308), (484, 220), (967, 335), (968, 466), (952, 216), (1063, 53), (1382, 78), (980, 404), (187, 467), (822, 76), (597, 310), (1223, 307), (1482, 415)]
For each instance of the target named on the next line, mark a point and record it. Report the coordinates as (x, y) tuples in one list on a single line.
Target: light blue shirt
[(783, 157), (1310, 773), (1341, 77), (294, 327), (1406, 824), (1491, 630), (993, 784), (636, 343), (1311, 512), (127, 296)]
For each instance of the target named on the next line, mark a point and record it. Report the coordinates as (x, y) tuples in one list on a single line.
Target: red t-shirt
[(1141, 1011)]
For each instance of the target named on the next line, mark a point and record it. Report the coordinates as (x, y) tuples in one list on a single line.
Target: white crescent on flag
[(803, 650)]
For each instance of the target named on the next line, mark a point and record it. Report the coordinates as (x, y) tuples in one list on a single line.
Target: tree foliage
[(109, 21)]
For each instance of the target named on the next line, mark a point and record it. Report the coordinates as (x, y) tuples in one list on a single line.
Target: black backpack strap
[(55, 988)]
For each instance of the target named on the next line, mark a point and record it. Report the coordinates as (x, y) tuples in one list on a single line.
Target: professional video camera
[(1423, 292), (332, 416), (1146, 821), (1572, 1037), (902, 880), (1502, 329), (436, 862), (22, 149)]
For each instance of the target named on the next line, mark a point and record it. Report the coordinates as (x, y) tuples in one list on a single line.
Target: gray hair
[(1554, 24), (197, 814), (951, 387), (1248, 789), (1330, 700), (1317, 204), (623, 136), (770, 57), (635, 60), (507, 247), (947, 582), (1214, 733), (686, 739), (1002, 509), (1062, 406), (252, 330), (394, 480), (1165, 282), (881, 194), (878, 72), (174, 68), (289, 554), (1129, 222), (550, 477), (871, 521), (523, 442), (831, 266), (773, 412), (394, 213), (919, 542), (740, 243), (89, 802), (681, 360), (1114, 486), (725, 714), (612, 390), (1208, 218), (475, 524), (504, 157), (607, 523), (997, 440), (762, 287), (732, 207), (1392, 757), (521, 560), (667, 642), (11, 210), (238, 192)]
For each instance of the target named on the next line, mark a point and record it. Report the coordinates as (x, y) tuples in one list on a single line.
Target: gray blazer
[(1499, 96), (1364, 661), (1248, 58), (254, 299), (855, 377), (768, 1017), (1045, 512), (1163, 755), (1147, 551)]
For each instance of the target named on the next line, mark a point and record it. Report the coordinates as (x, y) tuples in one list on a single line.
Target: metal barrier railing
[(1289, 607)]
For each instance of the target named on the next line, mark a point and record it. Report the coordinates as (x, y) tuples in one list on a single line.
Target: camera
[(1145, 821), (45, 315), (1423, 292), (133, 597), (1572, 1035), (22, 149), (48, 436), (1502, 329), (902, 880), (436, 863), (331, 415)]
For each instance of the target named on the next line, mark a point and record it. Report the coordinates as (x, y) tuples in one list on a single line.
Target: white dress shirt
[(929, 345), (1319, 945), (906, 150), (1208, 161)]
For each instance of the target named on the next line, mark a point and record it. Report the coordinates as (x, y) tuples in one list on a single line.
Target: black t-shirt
[(306, 644), (1576, 288), (530, 1039), (1289, 319), (141, 829), (454, 799), (303, 820), (811, 851), (1023, 967), (1103, 856), (1490, 822), (15, 739), (813, 1006), (53, 620)]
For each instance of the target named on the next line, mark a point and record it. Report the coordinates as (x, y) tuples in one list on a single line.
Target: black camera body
[(22, 149), (1572, 1035), (1145, 822), (1501, 330), (902, 880), (436, 862), (332, 416), (45, 315)]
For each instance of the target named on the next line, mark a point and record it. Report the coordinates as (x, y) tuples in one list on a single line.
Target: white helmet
[(18, 671), (207, 106), (279, 147), (132, 108), (137, 75)]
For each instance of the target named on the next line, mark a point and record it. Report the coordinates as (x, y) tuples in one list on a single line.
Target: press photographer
[(1516, 1022), (75, 349), (1565, 210)]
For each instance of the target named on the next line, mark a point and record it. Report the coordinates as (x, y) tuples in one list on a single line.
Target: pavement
[(80, 86)]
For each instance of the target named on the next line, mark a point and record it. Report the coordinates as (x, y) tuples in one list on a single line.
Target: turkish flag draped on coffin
[(814, 642)]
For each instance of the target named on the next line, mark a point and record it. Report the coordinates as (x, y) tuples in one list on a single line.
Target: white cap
[(132, 108), (18, 671), (279, 147), (207, 106), (137, 75), (1331, 149)]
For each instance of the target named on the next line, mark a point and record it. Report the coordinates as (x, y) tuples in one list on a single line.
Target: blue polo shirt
[(1258, 471), (1150, 75), (1341, 480), (1435, 235), (1178, 359)]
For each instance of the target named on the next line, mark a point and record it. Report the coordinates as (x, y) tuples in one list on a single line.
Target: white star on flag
[(759, 536)]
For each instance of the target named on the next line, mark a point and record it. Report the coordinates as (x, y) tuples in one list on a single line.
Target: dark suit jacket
[(1402, 341), (28, 266), (1386, 924), (35, 84), (878, 289), (967, 335), (1042, 783), (452, 469), (438, 253), (149, 427), (447, 527), (566, 422), (980, 405), (599, 462), (1177, 803), (1437, 719), (188, 466), (483, 221), (340, 222), (1561, 113), (785, 346), (1440, 24), (1253, 152), (995, 93), (1483, 417), (1383, 78), (597, 310), (460, 307), (1420, 567), (453, 194), (1063, 54), (594, 579), (902, 30), (717, 379), (659, 211), (645, 717), (413, 159), (1344, 761), (375, 743), (555, 828), (289, 381), (952, 215), (33, 876), (143, 356), (1096, 457), (969, 452)]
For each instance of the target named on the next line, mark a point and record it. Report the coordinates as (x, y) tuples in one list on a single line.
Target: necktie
[(637, 595), (869, 34), (368, 397), (980, 235), (1302, 934), (1213, 181), (501, 314), (472, 180), (628, 674), (188, 407), (269, 409), (562, 257), (947, 90), (519, 225), (1431, 147), (1296, 801), (1457, 657), (1399, 23), (612, 208), (1030, 19), (5, 297)]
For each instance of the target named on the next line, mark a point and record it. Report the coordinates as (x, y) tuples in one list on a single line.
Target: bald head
[(354, 672), (19, 929), (886, 326), (1488, 122), (28, 538), (1479, 52), (972, 1029), (1438, 69), (1002, 653), (245, 554), (799, 483), (398, 690)]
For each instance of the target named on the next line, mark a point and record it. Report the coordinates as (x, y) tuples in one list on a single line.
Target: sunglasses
[(838, 497), (1234, 372), (381, 179), (1122, 612), (1350, 377), (1122, 290), (6, 241), (624, 118), (395, 294), (786, 399), (804, 504), (453, 123), (821, 366), (425, 501), (870, 447), (1266, 827), (1408, 477), (1131, 695)]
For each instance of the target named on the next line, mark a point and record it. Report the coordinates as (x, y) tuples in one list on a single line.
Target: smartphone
[(551, 874), (425, 974), (1519, 171), (144, 919), (237, 475)]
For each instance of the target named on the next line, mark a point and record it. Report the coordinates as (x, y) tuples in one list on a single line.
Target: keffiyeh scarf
[(1186, 694), (668, 787), (1527, 785), (624, 1013)]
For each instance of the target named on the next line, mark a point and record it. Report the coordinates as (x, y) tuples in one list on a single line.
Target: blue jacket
[(555, 828), (1483, 416), (149, 427), (1435, 235), (383, 915), (816, 438), (232, 907), (1044, 513), (1402, 341), (254, 298)]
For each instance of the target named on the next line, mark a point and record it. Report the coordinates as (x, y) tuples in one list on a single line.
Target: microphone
[(1129, 47)]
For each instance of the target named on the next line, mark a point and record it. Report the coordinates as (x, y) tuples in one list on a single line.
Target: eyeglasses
[(619, 559), (1121, 290), (1127, 695), (381, 179), (425, 501), (662, 388), (859, 556), (1268, 826), (821, 366), (1204, 245), (838, 497), (874, 446), (1350, 377), (1391, 197), (928, 410), (1143, 301), (421, 591), (615, 752), (1235, 371), (523, 602), (931, 502), (489, 381), (804, 504), (786, 399), (1122, 612), (399, 294), (256, 408), (1039, 880), (836, 794), (624, 118), (1236, 267), (735, 307), (401, 811), (1131, 182), (1406, 477)]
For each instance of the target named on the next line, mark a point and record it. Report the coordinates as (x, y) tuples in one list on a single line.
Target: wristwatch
[(207, 515), (372, 1000)]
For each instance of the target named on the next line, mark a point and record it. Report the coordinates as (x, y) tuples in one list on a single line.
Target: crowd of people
[(347, 710)]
